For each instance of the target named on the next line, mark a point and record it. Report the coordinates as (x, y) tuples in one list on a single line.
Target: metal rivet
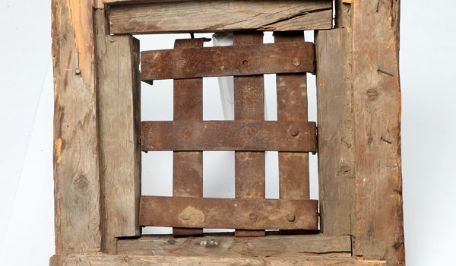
[(294, 132), (77, 71), (296, 62), (291, 217)]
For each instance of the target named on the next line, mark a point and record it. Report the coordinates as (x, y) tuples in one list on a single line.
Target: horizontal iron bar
[(228, 61), (251, 214), (228, 136)]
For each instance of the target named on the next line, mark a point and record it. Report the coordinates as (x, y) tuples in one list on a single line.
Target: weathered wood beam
[(76, 157), (122, 260), (250, 214), (228, 135), (378, 226), (336, 162), (229, 246), (239, 60), (131, 17), (119, 120), (359, 114)]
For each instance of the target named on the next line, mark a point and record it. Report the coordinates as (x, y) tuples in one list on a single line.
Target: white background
[(428, 55)]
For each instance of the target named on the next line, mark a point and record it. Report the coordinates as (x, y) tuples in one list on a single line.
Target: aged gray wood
[(119, 120), (228, 135), (378, 226), (124, 260), (252, 214), (335, 125), (224, 245), (76, 158), (360, 122), (212, 16)]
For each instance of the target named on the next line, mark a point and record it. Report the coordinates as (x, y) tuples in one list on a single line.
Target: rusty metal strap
[(250, 214), (229, 136), (228, 61)]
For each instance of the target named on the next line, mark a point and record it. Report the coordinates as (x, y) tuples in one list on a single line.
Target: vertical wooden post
[(249, 105), (76, 158), (188, 166), (119, 119), (335, 124), (359, 116)]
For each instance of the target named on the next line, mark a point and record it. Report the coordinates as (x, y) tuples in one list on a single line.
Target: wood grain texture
[(252, 214), (119, 120), (359, 111), (225, 245), (336, 162), (242, 135), (378, 228), (213, 16), (188, 166), (239, 60), (249, 105), (76, 158), (292, 106), (124, 260)]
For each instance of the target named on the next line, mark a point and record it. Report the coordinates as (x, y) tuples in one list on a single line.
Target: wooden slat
[(226, 245), (213, 16), (335, 126), (378, 226), (228, 135), (122, 260), (228, 60), (76, 158), (228, 213), (291, 107), (119, 120), (249, 105), (188, 166)]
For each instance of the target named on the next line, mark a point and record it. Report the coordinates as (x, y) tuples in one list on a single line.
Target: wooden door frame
[(359, 115)]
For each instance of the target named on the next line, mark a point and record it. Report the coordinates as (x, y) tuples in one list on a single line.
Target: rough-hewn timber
[(119, 117), (212, 16), (76, 158)]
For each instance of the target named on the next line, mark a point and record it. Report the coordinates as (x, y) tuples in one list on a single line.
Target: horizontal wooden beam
[(122, 260), (131, 17), (227, 245), (228, 61), (228, 213), (228, 136)]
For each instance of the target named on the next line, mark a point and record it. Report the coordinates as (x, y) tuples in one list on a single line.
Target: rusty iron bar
[(252, 214)]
